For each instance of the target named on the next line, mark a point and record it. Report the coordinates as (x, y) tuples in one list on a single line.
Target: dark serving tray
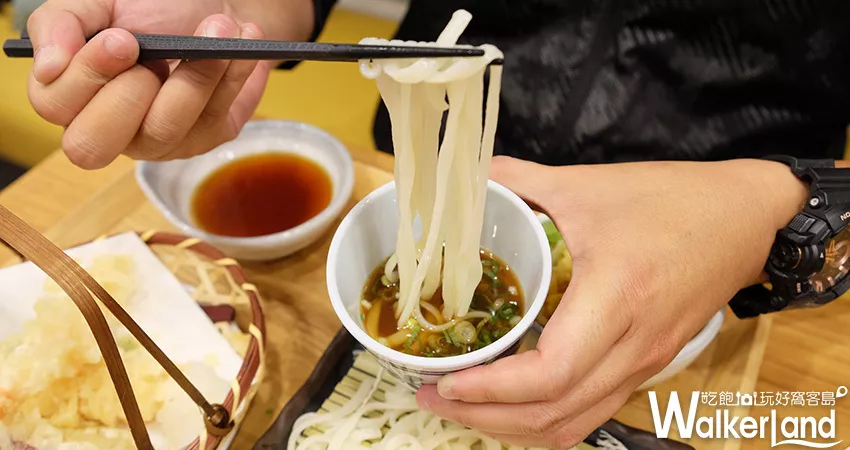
[(338, 359)]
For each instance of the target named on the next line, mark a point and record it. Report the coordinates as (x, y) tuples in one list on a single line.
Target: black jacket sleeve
[(321, 11)]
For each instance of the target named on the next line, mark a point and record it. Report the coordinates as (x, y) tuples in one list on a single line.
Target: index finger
[(579, 334), (58, 30)]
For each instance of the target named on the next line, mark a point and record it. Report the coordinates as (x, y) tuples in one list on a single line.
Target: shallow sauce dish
[(367, 236), (171, 185)]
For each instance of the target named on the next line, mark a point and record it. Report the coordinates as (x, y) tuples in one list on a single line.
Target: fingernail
[(43, 57), (115, 47), (213, 29), (248, 31), (444, 388)]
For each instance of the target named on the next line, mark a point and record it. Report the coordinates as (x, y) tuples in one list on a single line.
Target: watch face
[(836, 263)]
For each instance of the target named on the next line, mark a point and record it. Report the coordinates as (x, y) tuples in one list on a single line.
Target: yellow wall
[(24, 137), (333, 96)]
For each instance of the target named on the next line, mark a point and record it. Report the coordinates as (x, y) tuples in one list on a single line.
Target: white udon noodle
[(396, 423), (446, 189)]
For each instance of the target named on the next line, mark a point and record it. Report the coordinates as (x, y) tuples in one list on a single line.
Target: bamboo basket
[(190, 260), (220, 287)]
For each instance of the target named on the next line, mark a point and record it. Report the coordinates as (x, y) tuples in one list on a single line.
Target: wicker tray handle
[(80, 286)]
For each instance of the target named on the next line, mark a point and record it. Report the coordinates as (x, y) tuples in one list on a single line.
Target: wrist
[(782, 193), (776, 194)]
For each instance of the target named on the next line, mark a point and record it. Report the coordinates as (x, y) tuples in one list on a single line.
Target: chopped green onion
[(412, 338), (385, 281), (449, 338), (375, 286), (507, 311), (485, 337), (491, 264)]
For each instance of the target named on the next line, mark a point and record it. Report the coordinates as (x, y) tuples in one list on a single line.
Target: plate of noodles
[(343, 404)]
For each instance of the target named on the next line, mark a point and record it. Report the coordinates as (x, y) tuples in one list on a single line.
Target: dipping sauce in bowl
[(274, 190), (261, 194), (496, 307)]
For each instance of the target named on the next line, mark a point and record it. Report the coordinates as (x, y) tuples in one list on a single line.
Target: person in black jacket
[(598, 82), (634, 124)]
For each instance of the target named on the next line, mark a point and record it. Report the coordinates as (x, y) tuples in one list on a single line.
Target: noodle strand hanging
[(442, 184)]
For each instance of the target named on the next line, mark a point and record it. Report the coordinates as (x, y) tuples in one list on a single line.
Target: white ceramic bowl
[(367, 236), (170, 185), (689, 353)]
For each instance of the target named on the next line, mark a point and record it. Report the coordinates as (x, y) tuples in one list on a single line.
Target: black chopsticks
[(159, 46)]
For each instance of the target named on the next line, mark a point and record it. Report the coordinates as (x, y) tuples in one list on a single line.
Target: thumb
[(572, 343), (58, 30)]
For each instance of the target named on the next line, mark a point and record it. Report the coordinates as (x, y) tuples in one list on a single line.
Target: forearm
[(286, 20)]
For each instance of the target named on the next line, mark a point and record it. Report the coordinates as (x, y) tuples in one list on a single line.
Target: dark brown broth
[(495, 285), (261, 194)]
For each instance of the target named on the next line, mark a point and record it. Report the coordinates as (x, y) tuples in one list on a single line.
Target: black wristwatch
[(810, 259)]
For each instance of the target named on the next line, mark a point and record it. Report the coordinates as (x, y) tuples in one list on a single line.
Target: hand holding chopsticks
[(91, 84), (160, 46)]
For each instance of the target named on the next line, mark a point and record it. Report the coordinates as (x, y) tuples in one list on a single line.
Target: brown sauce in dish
[(498, 294), (261, 194)]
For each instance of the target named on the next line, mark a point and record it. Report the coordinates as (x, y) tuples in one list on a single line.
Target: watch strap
[(829, 186), (799, 167), (751, 302), (821, 174)]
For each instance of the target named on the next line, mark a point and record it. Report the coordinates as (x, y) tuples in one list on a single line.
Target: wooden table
[(804, 351)]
